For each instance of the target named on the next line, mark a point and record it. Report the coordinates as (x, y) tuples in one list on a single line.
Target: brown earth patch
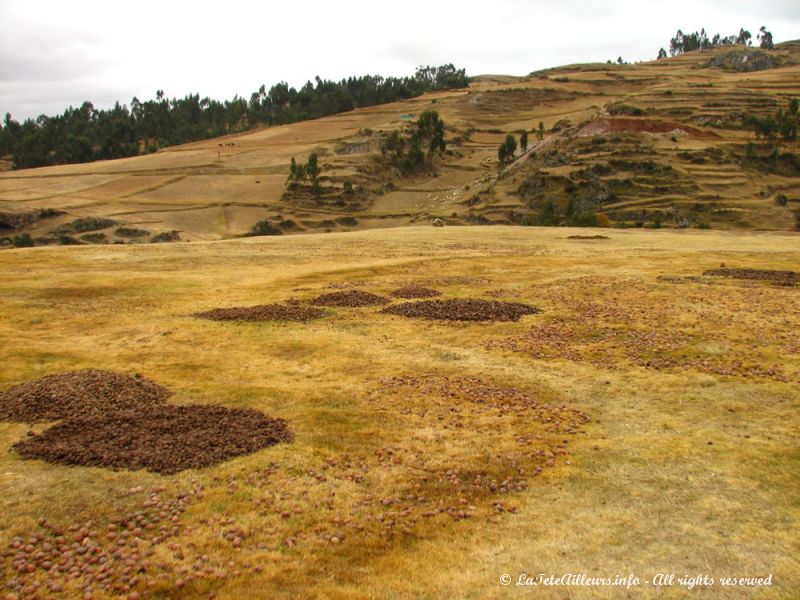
[(164, 439), (85, 393), (415, 291), (350, 299), (264, 312), (639, 125), (463, 310), (787, 278)]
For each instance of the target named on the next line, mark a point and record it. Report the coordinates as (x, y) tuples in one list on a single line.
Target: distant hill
[(657, 144)]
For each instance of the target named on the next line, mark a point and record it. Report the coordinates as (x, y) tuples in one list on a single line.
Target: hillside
[(653, 144)]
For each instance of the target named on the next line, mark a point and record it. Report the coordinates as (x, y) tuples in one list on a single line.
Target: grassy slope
[(218, 188), (681, 470)]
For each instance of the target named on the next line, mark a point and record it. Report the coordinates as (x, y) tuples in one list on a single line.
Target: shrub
[(264, 227), (131, 232), (23, 240), (165, 236), (84, 224), (95, 238)]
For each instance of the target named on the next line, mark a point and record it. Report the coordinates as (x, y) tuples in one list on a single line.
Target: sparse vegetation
[(414, 152)]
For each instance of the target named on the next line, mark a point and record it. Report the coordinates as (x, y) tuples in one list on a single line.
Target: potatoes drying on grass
[(415, 291), (164, 439), (463, 310), (349, 299), (787, 278), (264, 312), (85, 393)]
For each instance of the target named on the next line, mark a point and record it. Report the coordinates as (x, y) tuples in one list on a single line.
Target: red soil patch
[(85, 393), (264, 312), (463, 310), (164, 439), (640, 125)]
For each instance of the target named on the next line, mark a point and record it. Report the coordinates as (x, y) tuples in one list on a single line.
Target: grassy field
[(680, 119), (645, 422)]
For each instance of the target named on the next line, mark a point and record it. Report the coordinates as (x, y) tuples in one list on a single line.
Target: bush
[(165, 236), (23, 240), (781, 200), (95, 238), (264, 227), (131, 232), (84, 224)]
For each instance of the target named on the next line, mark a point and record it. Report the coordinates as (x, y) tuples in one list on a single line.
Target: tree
[(541, 130), (312, 166), (744, 37), (523, 140), (505, 153), (316, 189), (293, 169), (501, 154), (662, 54), (511, 146), (765, 37), (86, 133), (794, 105), (548, 215), (430, 131)]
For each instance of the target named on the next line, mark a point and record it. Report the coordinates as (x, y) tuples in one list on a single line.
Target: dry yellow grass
[(682, 468)]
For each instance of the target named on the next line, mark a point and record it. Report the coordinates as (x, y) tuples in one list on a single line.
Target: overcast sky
[(60, 53)]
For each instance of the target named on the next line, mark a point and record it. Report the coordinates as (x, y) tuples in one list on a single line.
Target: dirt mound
[(85, 393), (164, 439), (350, 298), (264, 312), (637, 125), (463, 310), (415, 291), (588, 237), (788, 278)]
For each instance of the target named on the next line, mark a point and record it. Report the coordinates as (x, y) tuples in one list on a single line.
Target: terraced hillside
[(660, 143)]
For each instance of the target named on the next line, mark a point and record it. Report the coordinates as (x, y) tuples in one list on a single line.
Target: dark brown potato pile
[(264, 312), (85, 393), (788, 278), (164, 439), (415, 291), (463, 310), (349, 299)]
